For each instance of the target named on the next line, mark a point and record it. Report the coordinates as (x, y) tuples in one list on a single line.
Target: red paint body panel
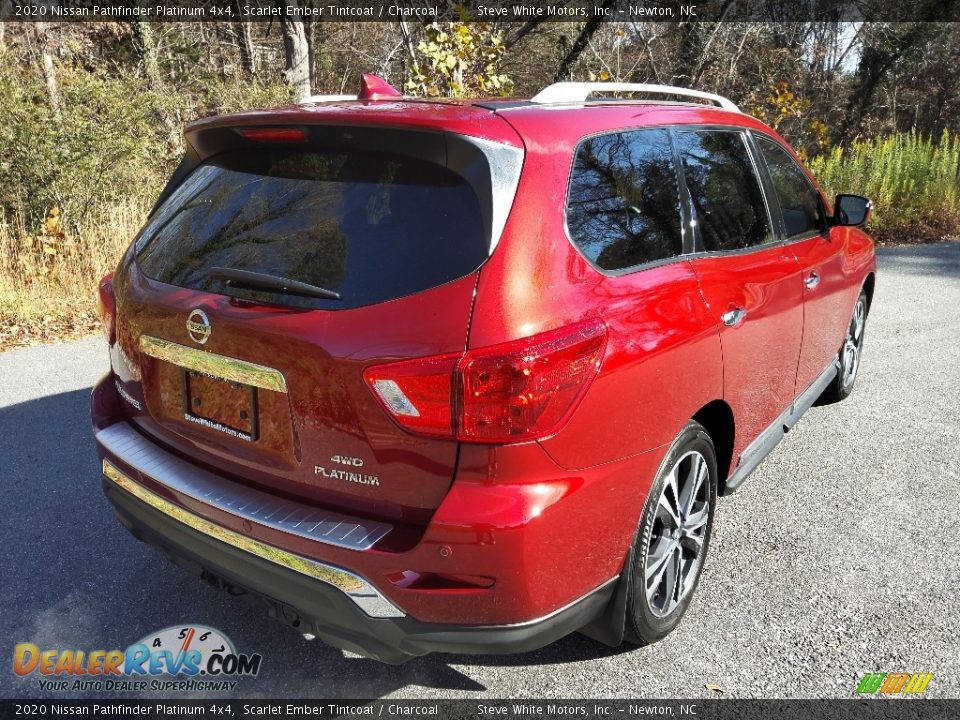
[(327, 411), (841, 261), (503, 518), (549, 520), (759, 355), (424, 116)]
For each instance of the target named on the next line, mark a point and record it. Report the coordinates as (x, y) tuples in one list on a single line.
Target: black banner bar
[(481, 10), (711, 709)]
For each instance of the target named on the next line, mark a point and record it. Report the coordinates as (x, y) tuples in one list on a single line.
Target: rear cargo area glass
[(369, 226)]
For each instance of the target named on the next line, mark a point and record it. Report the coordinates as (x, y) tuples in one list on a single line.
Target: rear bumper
[(548, 541), (326, 600)]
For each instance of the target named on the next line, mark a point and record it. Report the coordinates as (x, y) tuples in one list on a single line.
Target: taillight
[(107, 306), (521, 390), (417, 393), (528, 388)]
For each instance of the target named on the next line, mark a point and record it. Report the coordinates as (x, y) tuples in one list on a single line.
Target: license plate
[(219, 404)]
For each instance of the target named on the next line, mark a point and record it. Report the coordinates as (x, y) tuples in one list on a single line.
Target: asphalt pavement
[(839, 556)]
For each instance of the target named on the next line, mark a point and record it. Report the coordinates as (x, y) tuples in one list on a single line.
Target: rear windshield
[(369, 226)]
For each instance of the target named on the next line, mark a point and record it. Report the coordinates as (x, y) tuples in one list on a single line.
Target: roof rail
[(566, 92)]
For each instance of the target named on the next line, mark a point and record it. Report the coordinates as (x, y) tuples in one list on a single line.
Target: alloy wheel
[(675, 550), (852, 345)]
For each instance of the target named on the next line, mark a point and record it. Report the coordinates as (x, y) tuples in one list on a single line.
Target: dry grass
[(48, 275)]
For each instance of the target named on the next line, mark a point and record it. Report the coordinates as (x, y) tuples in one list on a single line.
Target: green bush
[(107, 145), (116, 139), (74, 190), (914, 183)]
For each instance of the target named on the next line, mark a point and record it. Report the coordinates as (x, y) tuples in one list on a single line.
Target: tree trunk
[(884, 45), (245, 42), (49, 70), (579, 45), (875, 63), (145, 44), (297, 69), (5, 9), (310, 31)]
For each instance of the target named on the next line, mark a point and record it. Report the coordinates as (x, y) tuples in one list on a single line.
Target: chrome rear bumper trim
[(126, 444), (355, 587)]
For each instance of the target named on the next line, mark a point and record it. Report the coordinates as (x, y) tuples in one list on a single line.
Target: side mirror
[(851, 210)]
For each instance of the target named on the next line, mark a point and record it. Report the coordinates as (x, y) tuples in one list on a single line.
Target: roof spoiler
[(372, 87)]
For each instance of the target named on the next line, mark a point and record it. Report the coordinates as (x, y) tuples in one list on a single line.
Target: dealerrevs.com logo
[(178, 658), (894, 683)]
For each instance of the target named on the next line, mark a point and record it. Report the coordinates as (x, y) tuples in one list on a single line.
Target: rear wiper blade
[(276, 283)]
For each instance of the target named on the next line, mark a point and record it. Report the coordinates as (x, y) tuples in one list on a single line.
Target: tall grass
[(913, 181), (48, 278), (75, 188)]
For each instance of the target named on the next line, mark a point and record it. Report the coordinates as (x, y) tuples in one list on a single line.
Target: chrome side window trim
[(505, 163)]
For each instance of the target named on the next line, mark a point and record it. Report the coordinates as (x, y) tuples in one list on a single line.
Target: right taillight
[(521, 390), (107, 306)]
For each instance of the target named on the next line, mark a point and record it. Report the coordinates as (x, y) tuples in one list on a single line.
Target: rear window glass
[(623, 208), (369, 226)]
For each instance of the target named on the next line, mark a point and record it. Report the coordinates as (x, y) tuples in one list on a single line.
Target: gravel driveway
[(840, 555)]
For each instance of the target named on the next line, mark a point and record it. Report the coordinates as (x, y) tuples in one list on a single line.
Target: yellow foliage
[(460, 59), (780, 104), (48, 275)]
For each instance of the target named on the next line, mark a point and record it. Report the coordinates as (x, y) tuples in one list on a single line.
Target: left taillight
[(516, 391), (108, 309), (418, 394)]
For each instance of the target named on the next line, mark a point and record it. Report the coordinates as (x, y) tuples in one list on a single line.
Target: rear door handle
[(812, 281), (734, 317)]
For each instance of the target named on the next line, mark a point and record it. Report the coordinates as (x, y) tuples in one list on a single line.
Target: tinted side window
[(724, 189), (623, 207), (799, 201)]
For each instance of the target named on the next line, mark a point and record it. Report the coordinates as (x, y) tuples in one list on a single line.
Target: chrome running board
[(756, 451)]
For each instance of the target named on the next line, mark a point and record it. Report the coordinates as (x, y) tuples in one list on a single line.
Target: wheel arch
[(717, 418)]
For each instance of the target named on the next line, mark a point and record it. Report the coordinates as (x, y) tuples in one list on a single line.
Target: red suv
[(469, 376)]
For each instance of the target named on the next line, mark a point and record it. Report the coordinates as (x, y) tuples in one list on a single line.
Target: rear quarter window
[(623, 204), (369, 226)]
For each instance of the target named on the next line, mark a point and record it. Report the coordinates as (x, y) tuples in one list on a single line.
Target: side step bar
[(755, 453)]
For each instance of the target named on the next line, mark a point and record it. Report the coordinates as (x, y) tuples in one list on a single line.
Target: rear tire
[(849, 356), (673, 538)]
